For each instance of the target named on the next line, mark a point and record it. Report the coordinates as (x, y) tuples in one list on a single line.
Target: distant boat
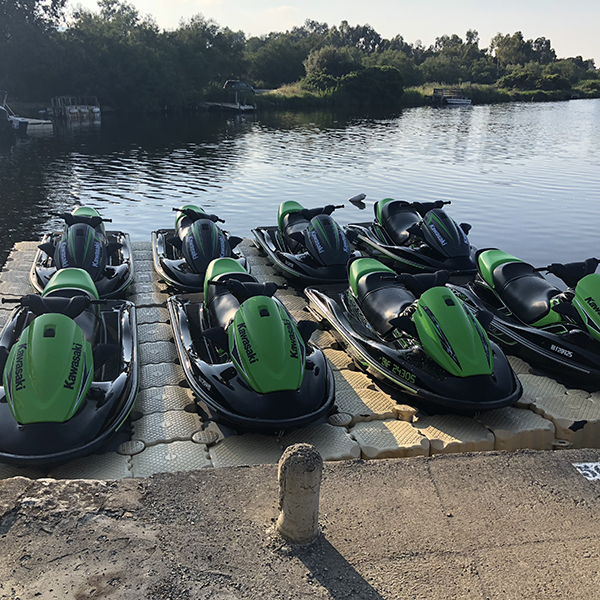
[(81, 108), (21, 125), (449, 97)]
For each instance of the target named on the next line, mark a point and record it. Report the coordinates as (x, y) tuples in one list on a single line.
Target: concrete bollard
[(300, 472)]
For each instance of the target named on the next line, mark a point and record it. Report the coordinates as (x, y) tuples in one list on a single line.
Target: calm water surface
[(524, 175)]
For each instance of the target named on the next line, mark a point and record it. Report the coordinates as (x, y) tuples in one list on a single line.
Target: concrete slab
[(157, 352), (354, 379), (389, 439), (454, 433), (517, 428), (154, 332), (519, 366), (165, 427), (170, 458), (96, 466), (151, 314), (15, 277), (339, 359), (8, 288), (247, 449), (163, 399), (332, 443), (535, 387), (364, 404), (161, 375), (576, 418)]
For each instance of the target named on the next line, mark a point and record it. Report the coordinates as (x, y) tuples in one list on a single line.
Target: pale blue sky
[(571, 26)]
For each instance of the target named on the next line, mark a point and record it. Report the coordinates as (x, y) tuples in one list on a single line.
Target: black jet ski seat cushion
[(222, 304), (294, 225), (397, 219), (382, 299), (524, 290)]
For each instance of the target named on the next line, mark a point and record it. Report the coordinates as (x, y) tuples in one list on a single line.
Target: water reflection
[(524, 175)]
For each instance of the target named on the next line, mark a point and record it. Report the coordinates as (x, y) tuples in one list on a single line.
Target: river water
[(524, 175)]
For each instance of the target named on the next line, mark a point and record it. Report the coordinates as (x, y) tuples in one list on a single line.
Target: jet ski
[(413, 332), (558, 330), (181, 255), (307, 245), (416, 237), (84, 243), (249, 363), (69, 371)]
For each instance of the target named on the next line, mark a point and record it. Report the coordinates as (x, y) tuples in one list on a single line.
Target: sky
[(572, 26)]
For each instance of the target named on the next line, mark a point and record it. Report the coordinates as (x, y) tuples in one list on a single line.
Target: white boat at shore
[(449, 97), (23, 125)]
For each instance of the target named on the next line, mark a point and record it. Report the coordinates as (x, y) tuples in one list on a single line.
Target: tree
[(28, 29), (411, 73), (511, 49), (376, 86), (333, 61), (279, 60), (361, 37)]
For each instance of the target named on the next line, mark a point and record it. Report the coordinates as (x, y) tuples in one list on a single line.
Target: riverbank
[(295, 97), (477, 526)]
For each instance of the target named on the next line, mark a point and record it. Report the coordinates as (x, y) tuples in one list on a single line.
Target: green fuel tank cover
[(49, 371)]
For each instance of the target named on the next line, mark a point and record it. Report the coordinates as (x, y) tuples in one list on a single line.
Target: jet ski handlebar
[(40, 305), (94, 221), (243, 290), (310, 213), (573, 272), (195, 215)]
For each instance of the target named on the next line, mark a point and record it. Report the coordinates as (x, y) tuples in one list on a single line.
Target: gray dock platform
[(167, 435)]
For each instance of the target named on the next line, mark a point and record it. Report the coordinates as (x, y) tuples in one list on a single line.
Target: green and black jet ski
[(416, 237), (557, 330), (249, 363), (182, 255), (84, 243), (307, 245), (69, 372), (411, 331)]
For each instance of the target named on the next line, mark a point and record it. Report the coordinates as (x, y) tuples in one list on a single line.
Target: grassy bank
[(295, 97)]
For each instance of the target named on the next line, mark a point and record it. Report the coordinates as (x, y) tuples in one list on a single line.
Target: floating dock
[(167, 434)]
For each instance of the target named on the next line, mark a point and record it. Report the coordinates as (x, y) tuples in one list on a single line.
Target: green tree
[(374, 86), (278, 60), (332, 61), (411, 73), (361, 37), (28, 44)]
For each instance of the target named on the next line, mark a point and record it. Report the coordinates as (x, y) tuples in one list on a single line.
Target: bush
[(553, 82), (377, 86), (319, 82)]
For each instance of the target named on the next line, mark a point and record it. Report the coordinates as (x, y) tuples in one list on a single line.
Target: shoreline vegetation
[(294, 97), (132, 66)]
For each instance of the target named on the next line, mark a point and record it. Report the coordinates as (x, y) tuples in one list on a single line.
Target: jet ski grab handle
[(571, 273), (71, 219), (39, 305), (310, 213), (243, 290), (195, 215)]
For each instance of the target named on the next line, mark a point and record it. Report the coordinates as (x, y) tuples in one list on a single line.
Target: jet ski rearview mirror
[(358, 201)]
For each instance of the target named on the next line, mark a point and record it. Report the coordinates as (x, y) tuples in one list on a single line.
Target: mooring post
[(300, 472)]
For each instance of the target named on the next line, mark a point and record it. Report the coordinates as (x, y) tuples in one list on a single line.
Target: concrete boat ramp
[(168, 435)]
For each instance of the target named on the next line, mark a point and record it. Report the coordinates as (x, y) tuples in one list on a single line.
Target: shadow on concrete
[(331, 570)]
